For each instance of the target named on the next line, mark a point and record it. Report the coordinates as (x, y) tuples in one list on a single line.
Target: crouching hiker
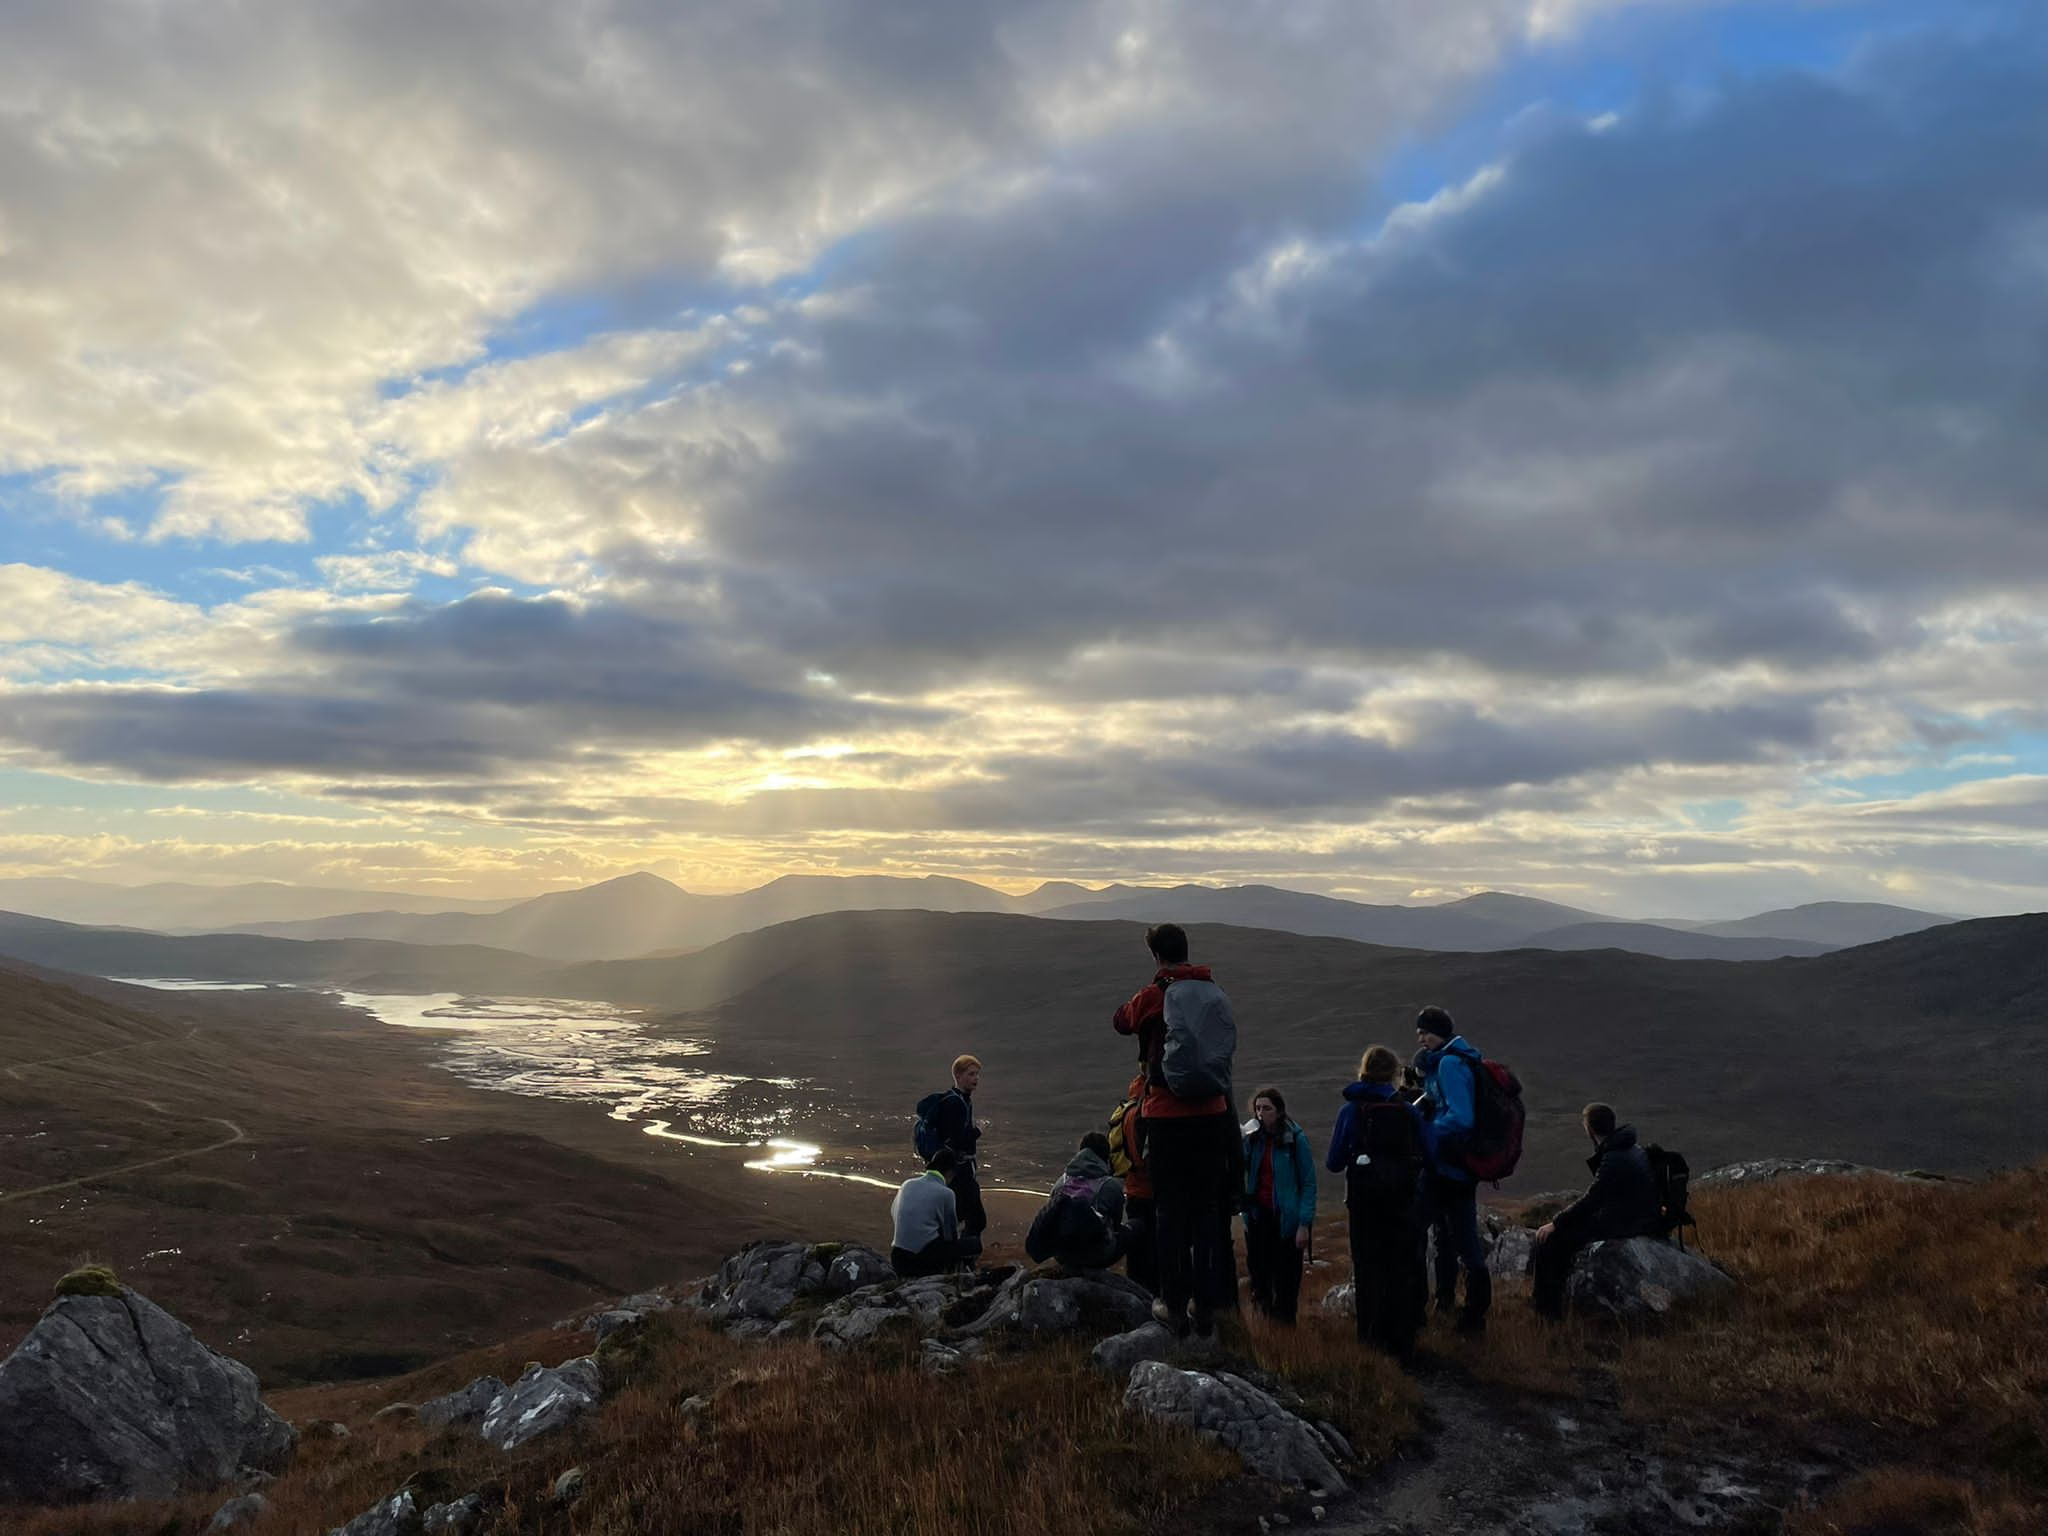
[(1081, 1223), (1280, 1205), (1381, 1146), (1622, 1202), (927, 1239)]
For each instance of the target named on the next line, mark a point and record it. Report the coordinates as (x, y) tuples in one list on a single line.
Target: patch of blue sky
[(2001, 752), (1619, 60), (1714, 815)]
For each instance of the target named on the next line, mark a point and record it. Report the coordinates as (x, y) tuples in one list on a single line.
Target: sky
[(1388, 447)]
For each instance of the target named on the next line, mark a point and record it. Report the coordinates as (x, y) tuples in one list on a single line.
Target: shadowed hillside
[(1802, 1057)]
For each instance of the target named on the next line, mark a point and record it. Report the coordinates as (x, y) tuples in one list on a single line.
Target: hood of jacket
[(1362, 1092), (1620, 1139), (1181, 973), (1087, 1164)]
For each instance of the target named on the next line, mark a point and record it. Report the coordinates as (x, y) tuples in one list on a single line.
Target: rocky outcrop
[(855, 1267), (110, 1397), (1640, 1279), (1036, 1302), (544, 1399), (919, 1306), (399, 1515), (462, 1408), (756, 1287), (1764, 1169), (1271, 1441), (1116, 1355), (457, 1517)]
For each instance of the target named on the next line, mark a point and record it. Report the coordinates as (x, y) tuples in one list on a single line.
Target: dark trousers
[(1192, 1160), (934, 1258), (1141, 1243), (1274, 1260), (1454, 1215), (1389, 1285), (967, 1199)]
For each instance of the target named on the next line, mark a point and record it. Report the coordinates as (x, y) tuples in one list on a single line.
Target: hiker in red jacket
[(1191, 1152)]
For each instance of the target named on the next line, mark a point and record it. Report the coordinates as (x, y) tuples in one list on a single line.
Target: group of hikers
[(1158, 1186)]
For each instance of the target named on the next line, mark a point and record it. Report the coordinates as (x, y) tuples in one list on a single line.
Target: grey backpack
[(1201, 1037)]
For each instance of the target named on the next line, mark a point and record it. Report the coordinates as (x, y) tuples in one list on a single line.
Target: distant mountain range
[(643, 914)]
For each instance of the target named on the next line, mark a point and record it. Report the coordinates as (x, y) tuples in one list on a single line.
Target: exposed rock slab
[(544, 1399), (466, 1406), (1640, 1279), (1271, 1441), (756, 1285), (855, 1267), (1036, 1303), (1762, 1170), (110, 1397), (399, 1515), (1151, 1340)]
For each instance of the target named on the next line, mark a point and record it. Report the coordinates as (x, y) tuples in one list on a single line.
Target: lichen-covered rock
[(1337, 1300), (1271, 1441), (457, 1517), (544, 1399), (855, 1267), (398, 1515), (755, 1286), (1033, 1302), (1115, 1356), (919, 1306), (1763, 1169), (238, 1512), (463, 1407), (1639, 1279), (110, 1397)]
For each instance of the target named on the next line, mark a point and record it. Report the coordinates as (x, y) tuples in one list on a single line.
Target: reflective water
[(187, 984)]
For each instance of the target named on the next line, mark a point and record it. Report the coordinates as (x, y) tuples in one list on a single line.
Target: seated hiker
[(1622, 1202), (1382, 1147), (1280, 1205), (1081, 1222), (927, 1239)]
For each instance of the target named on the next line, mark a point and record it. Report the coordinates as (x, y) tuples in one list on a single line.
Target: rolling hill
[(1838, 924), (175, 907), (1795, 1057), (1669, 943)]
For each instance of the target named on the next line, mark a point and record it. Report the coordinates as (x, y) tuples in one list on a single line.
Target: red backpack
[(1495, 1146)]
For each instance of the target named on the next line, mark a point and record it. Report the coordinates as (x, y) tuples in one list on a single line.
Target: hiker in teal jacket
[(1279, 1204), (1450, 1104)]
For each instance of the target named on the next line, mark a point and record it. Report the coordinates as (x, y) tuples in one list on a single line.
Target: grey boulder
[(544, 1399), (1036, 1303), (916, 1307), (458, 1517), (856, 1267), (238, 1512), (398, 1515), (110, 1397), (1271, 1441), (1148, 1341), (1763, 1169), (467, 1406), (761, 1282), (1337, 1300), (1640, 1279)]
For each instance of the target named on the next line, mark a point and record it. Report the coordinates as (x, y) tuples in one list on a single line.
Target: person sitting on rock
[(1622, 1202), (1381, 1146), (928, 1240), (1280, 1205), (1081, 1223)]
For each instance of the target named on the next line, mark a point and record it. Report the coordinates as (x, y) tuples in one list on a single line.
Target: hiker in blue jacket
[(1381, 1146), (1450, 1103), (1279, 1205)]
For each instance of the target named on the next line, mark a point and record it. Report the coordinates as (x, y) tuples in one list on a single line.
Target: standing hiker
[(1622, 1202), (1280, 1205), (1186, 1038), (1381, 1146), (1450, 1068), (1127, 1159), (946, 1120)]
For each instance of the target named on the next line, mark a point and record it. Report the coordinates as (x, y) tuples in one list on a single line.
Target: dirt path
[(235, 1134), (20, 1067), (1495, 1464)]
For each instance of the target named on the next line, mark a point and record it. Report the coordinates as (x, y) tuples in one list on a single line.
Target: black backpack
[(1671, 1174), (1383, 1166)]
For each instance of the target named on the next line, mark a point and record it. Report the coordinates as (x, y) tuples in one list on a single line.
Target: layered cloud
[(1020, 441)]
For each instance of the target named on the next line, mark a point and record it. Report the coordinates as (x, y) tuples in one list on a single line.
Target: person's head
[(966, 1073), (1598, 1120), (1434, 1028), (1097, 1143), (1168, 943), (943, 1162), (1379, 1065), (1269, 1109)]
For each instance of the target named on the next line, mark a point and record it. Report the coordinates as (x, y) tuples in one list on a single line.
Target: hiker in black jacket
[(1622, 1202), (960, 1135)]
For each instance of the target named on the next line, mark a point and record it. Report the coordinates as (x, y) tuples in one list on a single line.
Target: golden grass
[(1898, 1502)]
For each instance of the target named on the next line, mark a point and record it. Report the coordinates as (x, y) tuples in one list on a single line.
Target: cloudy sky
[(1393, 447)]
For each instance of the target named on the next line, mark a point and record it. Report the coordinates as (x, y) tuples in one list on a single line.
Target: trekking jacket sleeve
[(1038, 1242), (1585, 1210), (1304, 1180), (1457, 1113), (1109, 1200), (1340, 1139), (1129, 1019), (955, 1124)]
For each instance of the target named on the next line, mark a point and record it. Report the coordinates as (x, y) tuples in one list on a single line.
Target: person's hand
[(1301, 1237), (1543, 1232)]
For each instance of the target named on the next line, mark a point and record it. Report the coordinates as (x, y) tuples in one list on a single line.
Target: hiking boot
[(1167, 1318)]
